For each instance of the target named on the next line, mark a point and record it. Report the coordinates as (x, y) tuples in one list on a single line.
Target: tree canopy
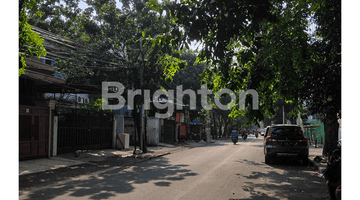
[(126, 45), (30, 43), (288, 50), (113, 44), (269, 46)]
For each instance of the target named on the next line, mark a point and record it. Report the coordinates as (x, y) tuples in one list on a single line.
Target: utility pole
[(212, 124), (143, 138), (283, 115)]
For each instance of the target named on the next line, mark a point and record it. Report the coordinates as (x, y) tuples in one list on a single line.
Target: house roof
[(44, 74), (61, 47), (42, 77)]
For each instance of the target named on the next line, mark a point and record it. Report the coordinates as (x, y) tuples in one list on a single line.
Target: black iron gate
[(169, 131), (80, 129)]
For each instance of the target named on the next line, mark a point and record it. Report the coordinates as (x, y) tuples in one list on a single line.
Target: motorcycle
[(234, 139), (203, 136), (194, 136), (244, 135), (256, 135), (332, 174)]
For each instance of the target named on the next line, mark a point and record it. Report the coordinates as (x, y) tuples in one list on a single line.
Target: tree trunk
[(226, 129), (21, 4), (226, 132), (220, 128), (137, 121), (331, 128), (212, 123), (215, 125)]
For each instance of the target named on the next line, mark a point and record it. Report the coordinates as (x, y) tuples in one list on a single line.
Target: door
[(169, 131), (33, 131)]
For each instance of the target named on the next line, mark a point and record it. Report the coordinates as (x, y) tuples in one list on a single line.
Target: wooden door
[(33, 131)]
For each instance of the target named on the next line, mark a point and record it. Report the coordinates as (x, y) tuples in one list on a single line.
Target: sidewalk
[(313, 152), (86, 156), (45, 171)]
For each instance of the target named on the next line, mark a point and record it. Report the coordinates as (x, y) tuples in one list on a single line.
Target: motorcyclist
[(256, 132), (244, 132), (234, 137)]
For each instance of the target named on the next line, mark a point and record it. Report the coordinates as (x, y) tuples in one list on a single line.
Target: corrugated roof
[(34, 64), (61, 47), (42, 77), (43, 74)]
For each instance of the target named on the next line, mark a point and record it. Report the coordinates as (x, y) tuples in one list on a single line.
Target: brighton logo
[(114, 90)]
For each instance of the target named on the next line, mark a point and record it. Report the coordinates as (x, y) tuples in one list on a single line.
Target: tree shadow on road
[(118, 181), (284, 180)]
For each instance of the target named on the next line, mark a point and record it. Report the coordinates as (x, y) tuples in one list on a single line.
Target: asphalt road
[(216, 171)]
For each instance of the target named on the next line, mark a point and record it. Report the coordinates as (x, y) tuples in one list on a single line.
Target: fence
[(80, 129)]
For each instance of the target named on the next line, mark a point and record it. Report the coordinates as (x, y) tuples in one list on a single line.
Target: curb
[(94, 173), (314, 164), (317, 167)]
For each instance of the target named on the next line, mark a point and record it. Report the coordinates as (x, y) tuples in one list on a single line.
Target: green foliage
[(204, 114), (189, 77), (30, 43), (325, 76), (171, 65), (95, 106), (112, 44), (266, 46)]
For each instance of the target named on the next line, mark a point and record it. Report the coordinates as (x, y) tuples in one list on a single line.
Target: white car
[(262, 132)]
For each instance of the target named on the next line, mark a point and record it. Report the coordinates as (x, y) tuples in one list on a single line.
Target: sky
[(83, 5)]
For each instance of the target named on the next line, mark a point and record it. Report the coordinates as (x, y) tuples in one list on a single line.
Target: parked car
[(265, 131), (285, 140), (262, 131)]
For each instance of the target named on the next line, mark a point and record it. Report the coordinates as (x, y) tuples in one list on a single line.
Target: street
[(217, 171)]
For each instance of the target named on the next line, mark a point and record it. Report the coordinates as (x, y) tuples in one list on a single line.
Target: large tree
[(125, 44), (188, 78), (113, 43), (267, 46)]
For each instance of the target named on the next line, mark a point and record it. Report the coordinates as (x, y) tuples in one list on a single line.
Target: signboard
[(178, 117)]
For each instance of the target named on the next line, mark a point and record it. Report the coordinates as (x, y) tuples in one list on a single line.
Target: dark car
[(285, 140)]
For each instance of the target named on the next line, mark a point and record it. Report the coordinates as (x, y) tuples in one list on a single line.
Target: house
[(38, 133), (35, 113)]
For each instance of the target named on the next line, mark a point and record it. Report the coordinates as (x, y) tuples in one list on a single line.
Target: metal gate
[(83, 129), (169, 131), (33, 131)]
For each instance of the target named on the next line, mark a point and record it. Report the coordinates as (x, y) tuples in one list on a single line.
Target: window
[(286, 131)]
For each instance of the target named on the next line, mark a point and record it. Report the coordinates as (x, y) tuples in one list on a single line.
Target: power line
[(187, 98)]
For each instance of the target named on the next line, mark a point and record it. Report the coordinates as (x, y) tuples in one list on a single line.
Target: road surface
[(217, 171)]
